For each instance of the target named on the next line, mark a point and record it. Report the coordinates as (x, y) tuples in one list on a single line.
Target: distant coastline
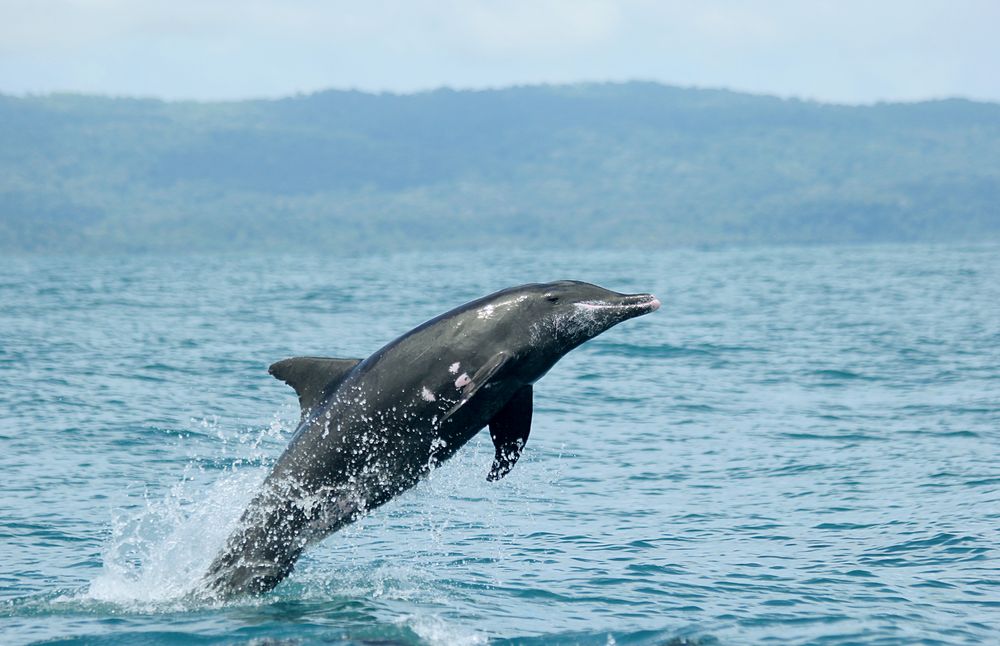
[(629, 165)]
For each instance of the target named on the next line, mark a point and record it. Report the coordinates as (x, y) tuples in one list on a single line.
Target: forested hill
[(625, 165)]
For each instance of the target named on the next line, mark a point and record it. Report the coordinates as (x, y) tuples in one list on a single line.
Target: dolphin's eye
[(552, 298)]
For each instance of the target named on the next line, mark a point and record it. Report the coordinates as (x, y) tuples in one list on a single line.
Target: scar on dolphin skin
[(339, 465)]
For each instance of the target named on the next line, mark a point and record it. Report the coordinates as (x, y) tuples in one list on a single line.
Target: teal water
[(800, 447)]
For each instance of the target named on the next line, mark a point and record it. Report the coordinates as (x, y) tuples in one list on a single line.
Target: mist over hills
[(622, 165)]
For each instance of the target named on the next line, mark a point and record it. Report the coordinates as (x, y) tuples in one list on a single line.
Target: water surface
[(800, 447)]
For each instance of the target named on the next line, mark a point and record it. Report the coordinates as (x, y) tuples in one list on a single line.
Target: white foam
[(435, 630), (160, 549), (160, 552)]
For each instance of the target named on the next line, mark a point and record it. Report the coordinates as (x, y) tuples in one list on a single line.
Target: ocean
[(800, 447)]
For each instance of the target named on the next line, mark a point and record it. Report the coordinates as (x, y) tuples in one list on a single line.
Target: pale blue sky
[(843, 51)]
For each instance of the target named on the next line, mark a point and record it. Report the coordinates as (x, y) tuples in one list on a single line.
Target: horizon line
[(488, 88)]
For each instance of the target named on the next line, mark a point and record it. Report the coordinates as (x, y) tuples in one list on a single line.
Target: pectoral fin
[(478, 381), (311, 376), (509, 429)]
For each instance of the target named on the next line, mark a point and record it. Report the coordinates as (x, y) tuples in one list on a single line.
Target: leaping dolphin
[(371, 429)]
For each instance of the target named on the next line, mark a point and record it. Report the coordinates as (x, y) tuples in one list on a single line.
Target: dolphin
[(371, 429)]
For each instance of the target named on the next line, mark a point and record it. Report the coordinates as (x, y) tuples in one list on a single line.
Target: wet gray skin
[(371, 429)]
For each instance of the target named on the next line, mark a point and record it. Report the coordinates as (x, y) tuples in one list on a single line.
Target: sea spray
[(160, 553), (159, 549)]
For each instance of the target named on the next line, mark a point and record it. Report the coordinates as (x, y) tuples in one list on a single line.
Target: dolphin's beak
[(643, 303), (626, 306)]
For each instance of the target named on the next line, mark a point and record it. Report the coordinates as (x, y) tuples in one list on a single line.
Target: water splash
[(436, 631), (159, 551)]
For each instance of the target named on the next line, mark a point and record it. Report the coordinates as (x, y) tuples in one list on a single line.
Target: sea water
[(800, 447)]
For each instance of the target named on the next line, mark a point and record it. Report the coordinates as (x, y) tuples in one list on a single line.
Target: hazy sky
[(843, 50)]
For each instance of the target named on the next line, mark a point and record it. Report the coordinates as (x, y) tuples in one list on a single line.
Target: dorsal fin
[(311, 376)]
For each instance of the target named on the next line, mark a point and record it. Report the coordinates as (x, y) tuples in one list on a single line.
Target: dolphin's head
[(560, 316), (572, 312)]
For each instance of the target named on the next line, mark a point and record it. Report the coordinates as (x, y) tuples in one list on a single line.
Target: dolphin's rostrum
[(370, 429)]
